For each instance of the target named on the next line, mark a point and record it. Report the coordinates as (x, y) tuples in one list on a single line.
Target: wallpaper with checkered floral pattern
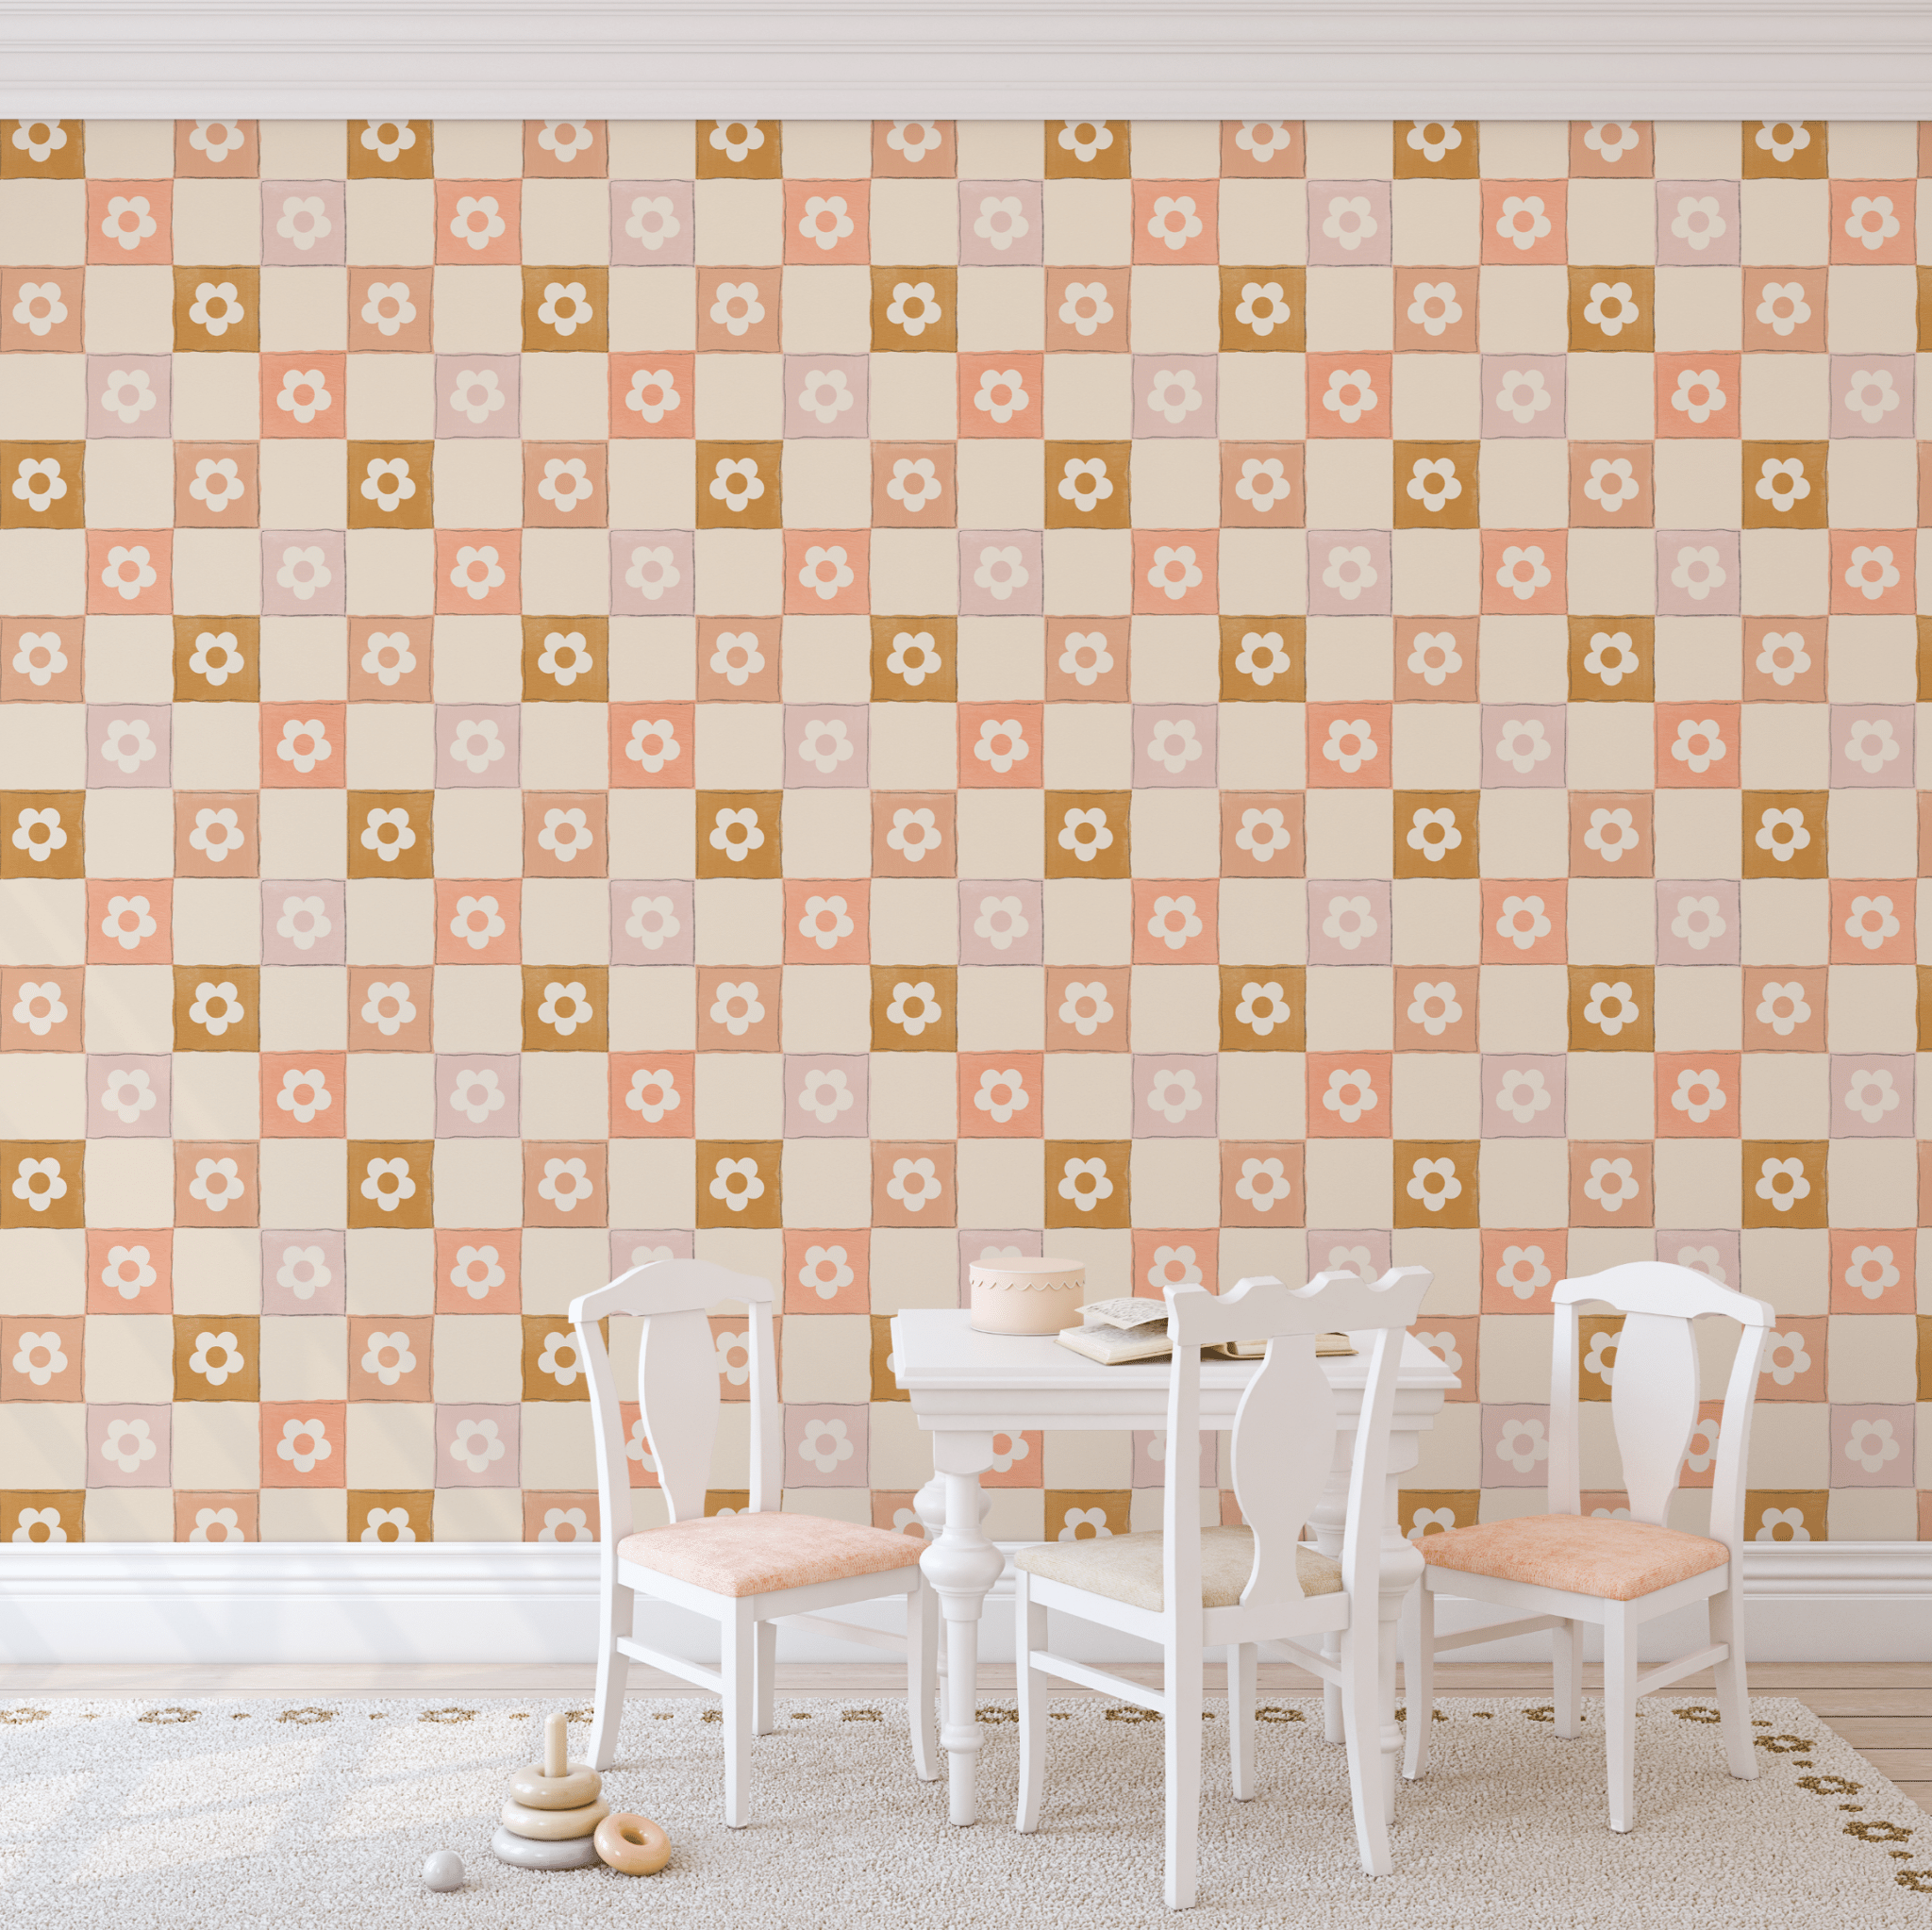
[(1208, 699)]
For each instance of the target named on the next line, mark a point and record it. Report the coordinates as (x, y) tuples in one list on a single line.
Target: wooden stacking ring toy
[(553, 1810), (632, 1845)]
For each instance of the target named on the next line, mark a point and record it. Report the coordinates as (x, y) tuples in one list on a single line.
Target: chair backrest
[(1285, 1427), (1654, 1388), (677, 1385)]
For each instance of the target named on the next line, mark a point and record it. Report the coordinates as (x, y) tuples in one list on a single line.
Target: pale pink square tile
[(651, 224), (651, 921), (826, 1095)]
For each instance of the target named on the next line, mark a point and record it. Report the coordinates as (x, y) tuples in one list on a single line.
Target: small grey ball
[(443, 1871)]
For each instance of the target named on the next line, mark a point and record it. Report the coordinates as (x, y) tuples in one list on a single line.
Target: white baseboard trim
[(493, 1601)]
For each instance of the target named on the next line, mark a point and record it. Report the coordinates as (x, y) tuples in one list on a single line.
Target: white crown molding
[(1162, 60), (452, 1603)]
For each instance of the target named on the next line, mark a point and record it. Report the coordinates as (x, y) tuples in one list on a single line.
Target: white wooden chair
[(1187, 1588), (1566, 1568), (746, 1571)]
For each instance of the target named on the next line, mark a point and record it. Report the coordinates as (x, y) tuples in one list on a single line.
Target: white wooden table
[(966, 1388)]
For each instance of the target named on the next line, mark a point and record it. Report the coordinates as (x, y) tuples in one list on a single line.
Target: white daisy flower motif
[(38, 307), (1698, 744), (1872, 571), (1263, 307), (1350, 1093), (1001, 571), (1523, 1444), (1262, 483), (305, 1092), (37, 140), (1083, 140), (1611, 140), (304, 220), (130, 394), (475, 1093), (216, 1356), (1433, 656), (826, 571), (1084, 657), (304, 571), (216, 833), (1350, 394), (387, 307), (1085, 1007), (825, 1092), (565, 140), (127, 1094), (914, 1183), (1001, 1094), (1174, 221), (566, 657), (1350, 221), (128, 1445), (1433, 1182), (1432, 140), (386, 1006), (1263, 1006), (476, 572), (217, 482), (1698, 221), (39, 833), (566, 1184), (1350, 922), (1262, 833), (1612, 656), (1085, 483), (1173, 920), (826, 221), (566, 482), (304, 744), (128, 571), (1698, 922), (39, 483), (303, 394), (1084, 306), (1786, 1357), (387, 833), (566, 833), (476, 921), (39, 1005), (1263, 656), (1611, 833), (39, 1183), (1522, 1269), (478, 744), (825, 1444), (216, 140), (1611, 1007), (1612, 483), (1523, 571), (1350, 744), (914, 307), (914, 1005), (651, 1094), (1782, 832), (1782, 306), (652, 220), (1174, 1266), (566, 307), (1002, 392), (216, 1183), (734, 140), (736, 833), (737, 483), (824, 920), (1433, 833), (388, 1183), (1872, 921), (1521, 1092), (914, 833), (1434, 1005), (914, 139), (477, 221), (387, 140), (1524, 745), (1872, 221), (827, 395), (1433, 306), (1001, 922), (217, 306), (1870, 394), (736, 1007), (127, 921), (1002, 744), (1261, 141), (736, 656), (1611, 306), (216, 1005), (1871, 1269), (39, 657), (1782, 1182), (1611, 1183), (1697, 570), (1175, 744), (1349, 571), (303, 1443), (387, 1356), (914, 483), (1434, 484), (1174, 395), (128, 744), (825, 745), (653, 394), (1783, 1007), (1698, 1094), (565, 1005), (1001, 221), (1701, 1450), (386, 657), (476, 1444), (1782, 483), (1174, 1093), (1870, 1093), (1871, 1443), (1523, 920), (1085, 1183), (1523, 221)]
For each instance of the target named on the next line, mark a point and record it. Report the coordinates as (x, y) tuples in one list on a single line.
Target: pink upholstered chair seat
[(1582, 1555), (760, 1553)]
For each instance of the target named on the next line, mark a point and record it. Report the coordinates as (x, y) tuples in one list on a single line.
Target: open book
[(1128, 1329)]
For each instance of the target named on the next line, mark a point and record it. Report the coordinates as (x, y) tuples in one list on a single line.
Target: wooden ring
[(632, 1845)]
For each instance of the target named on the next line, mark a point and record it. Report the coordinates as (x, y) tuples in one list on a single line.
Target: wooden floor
[(1883, 1709)]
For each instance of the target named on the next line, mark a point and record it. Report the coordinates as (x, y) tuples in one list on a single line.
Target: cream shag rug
[(257, 1811)]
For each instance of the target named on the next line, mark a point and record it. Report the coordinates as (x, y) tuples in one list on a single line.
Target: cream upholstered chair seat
[(1127, 1567), (1582, 1555), (759, 1554)]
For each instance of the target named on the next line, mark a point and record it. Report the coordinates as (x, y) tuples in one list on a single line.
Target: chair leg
[(737, 1639), (1419, 1683), (1029, 1632), (1240, 1717), (1732, 1696), (922, 1676), (765, 1669), (1566, 1669), (613, 1666), (1183, 1682), (1620, 1710), (1361, 1730)]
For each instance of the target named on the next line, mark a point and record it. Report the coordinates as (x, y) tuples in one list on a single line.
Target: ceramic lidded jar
[(1027, 1296)]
